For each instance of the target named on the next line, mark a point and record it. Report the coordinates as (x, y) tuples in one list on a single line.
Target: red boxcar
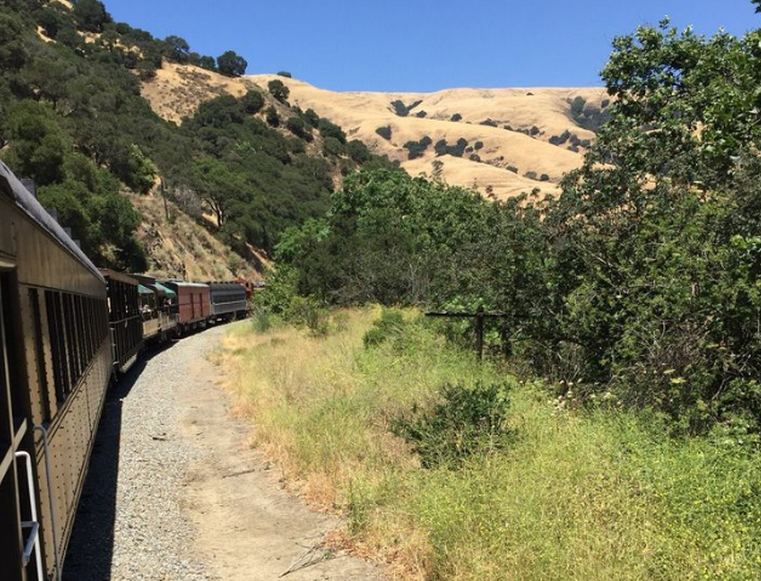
[(193, 303)]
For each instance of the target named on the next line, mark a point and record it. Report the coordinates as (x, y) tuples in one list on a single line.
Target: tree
[(272, 117), (91, 15), (177, 49), (252, 102), (279, 90), (231, 64), (208, 63), (13, 52)]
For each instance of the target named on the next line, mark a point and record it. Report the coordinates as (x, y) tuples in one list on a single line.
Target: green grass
[(575, 494)]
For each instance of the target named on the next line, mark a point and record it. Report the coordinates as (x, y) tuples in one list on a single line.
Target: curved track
[(174, 492)]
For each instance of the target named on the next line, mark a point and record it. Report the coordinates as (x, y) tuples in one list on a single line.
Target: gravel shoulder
[(175, 492)]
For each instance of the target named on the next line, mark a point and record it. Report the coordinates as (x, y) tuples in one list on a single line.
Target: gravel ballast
[(130, 523)]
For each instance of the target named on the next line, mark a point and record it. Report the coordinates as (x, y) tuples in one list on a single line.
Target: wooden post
[(480, 316), (480, 333)]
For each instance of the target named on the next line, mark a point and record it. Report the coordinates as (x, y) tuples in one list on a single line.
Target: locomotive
[(67, 329)]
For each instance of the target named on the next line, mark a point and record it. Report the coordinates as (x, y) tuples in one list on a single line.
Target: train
[(67, 330)]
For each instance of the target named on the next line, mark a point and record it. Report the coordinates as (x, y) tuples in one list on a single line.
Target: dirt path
[(174, 492)]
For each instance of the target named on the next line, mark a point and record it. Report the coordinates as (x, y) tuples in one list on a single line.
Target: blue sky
[(423, 45)]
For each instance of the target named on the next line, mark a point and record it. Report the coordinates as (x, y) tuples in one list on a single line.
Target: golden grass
[(576, 495)]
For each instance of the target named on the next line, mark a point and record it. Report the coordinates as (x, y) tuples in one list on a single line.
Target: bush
[(329, 129), (285, 74), (312, 118), (467, 421), (403, 110), (532, 175), (252, 102), (456, 117), (421, 114), (388, 326), (489, 123), (478, 145), (279, 90), (231, 64), (384, 132), (544, 178), (297, 126), (272, 117)]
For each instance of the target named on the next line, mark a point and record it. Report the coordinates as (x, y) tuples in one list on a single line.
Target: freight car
[(55, 365), (228, 301), (193, 304)]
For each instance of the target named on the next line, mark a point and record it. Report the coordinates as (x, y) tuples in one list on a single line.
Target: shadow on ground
[(91, 547)]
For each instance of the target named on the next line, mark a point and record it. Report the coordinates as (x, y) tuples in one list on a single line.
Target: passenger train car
[(66, 329)]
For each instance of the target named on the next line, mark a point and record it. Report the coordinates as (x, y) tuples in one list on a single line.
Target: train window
[(39, 352), (57, 344), (71, 339)]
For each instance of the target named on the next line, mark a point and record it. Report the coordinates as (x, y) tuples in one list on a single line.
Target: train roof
[(120, 276), (30, 206), (180, 284)]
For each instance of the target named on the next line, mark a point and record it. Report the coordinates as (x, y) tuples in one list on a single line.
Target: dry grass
[(178, 90), (601, 495), (181, 248)]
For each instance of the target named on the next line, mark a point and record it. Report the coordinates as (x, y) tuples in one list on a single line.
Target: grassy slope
[(178, 90), (600, 495)]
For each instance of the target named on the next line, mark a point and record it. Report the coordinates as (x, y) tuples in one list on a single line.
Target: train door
[(19, 553)]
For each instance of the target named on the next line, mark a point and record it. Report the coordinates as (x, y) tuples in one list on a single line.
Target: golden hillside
[(179, 247), (514, 126)]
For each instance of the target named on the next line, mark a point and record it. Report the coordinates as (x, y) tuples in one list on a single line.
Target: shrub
[(531, 175), (252, 102), (231, 64), (577, 106), (389, 325), (465, 422), (512, 168), (297, 126), (544, 178), (272, 117), (384, 132), (285, 74), (421, 114), (478, 145), (312, 118), (475, 157), (279, 90), (441, 147), (489, 123), (330, 129), (403, 110), (534, 131), (358, 151), (456, 117)]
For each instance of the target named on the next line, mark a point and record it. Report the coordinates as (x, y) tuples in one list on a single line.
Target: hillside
[(508, 131), (178, 247), (240, 164)]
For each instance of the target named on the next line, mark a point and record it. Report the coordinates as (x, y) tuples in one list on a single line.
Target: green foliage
[(417, 149), (468, 421), (384, 132), (91, 15), (285, 74), (389, 325), (252, 102), (403, 110), (312, 118), (300, 129), (279, 90), (456, 117), (272, 117), (358, 151), (328, 129), (231, 64)]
